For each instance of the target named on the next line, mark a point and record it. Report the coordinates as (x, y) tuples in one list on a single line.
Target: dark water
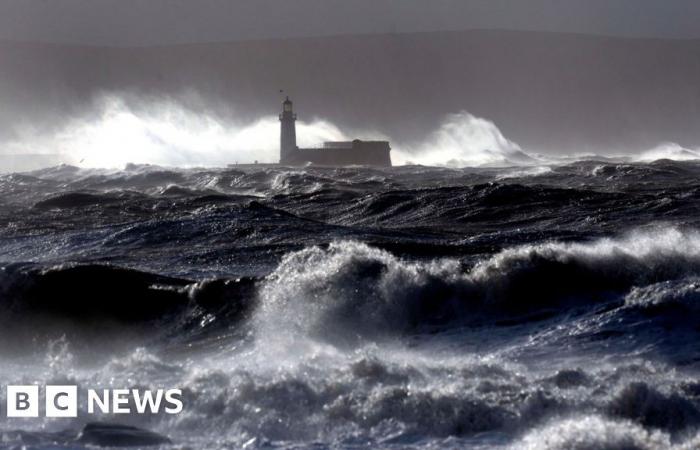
[(551, 307)]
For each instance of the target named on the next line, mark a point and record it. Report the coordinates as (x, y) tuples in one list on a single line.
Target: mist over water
[(166, 133), (669, 150), (169, 134), (464, 140)]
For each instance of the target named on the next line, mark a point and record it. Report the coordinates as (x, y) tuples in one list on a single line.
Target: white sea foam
[(169, 134), (524, 172), (685, 291), (309, 374), (166, 134), (351, 291), (668, 150), (665, 248), (593, 433), (464, 140)]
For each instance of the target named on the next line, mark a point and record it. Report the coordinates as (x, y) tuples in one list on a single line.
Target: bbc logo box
[(60, 401)]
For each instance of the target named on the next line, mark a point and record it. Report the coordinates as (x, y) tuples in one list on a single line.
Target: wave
[(83, 199), (456, 207), (301, 383), (159, 181), (165, 133), (169, 134), (388, 396), (88, 302), (670, 151), (93, 434), (464, 140), (534, 171), (599, 432), (683, 293), (350, 290)]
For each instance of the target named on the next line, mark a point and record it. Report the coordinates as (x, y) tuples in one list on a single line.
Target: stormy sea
[(534, 307)]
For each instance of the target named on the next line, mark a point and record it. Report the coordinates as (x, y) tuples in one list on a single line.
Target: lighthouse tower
[(288, 133)]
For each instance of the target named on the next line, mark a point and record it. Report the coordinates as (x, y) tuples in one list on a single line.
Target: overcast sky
[(157, 22)]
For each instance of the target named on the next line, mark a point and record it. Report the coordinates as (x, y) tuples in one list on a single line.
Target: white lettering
[(102, 403), (174, 397), (147, 401), (120, 401)]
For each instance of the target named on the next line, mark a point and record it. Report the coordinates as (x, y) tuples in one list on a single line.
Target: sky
[(163, 22), (542, 93)]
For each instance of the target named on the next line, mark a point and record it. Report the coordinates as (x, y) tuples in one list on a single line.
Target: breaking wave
[(410, 307), (600, 433), (669, 150), (169, 134), (351, 290), (464, 140)]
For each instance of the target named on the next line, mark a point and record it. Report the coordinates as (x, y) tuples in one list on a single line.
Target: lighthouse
[(288, 133), (331, 154)]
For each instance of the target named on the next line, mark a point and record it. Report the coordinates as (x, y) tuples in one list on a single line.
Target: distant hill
[(546, 91)]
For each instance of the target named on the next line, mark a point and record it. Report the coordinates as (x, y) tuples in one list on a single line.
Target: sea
[(529, 307)]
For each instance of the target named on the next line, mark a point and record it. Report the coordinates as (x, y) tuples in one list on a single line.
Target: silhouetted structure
[(342, 153)]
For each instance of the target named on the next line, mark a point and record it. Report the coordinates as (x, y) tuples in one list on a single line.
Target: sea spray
[(411, 307), (464, 140)]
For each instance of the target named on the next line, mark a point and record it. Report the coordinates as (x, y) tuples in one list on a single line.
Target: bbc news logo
[(63, 401)]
